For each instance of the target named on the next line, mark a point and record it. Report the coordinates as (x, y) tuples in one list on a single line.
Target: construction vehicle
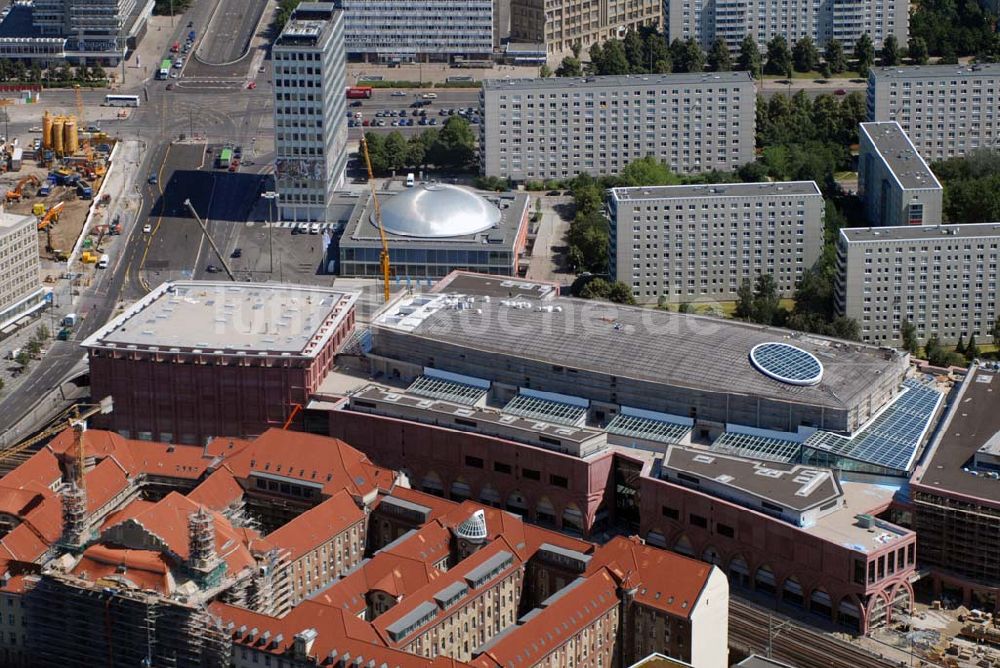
[(383, 258), (16, 194), (88, 257), (84, 190), (51, 216), (76, 419), (38, 209)]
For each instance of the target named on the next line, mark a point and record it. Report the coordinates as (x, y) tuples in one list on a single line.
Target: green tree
[(949, 55), (719, 58), (635, 51), (22, 358), (917, 49), (960, 346), (595, 288), (545, 71), (569, 67), (744, 300), (765, 299), (687, 55), (932, 349), (646, 171), (779, 58), (805, 55), (575, 49), (455, 145), (33, 346), (98, 73), (908, 332), (953, 27), (42, 333), (972, 350), (749, 59), (996, 333), (657, 52), (416, 152), (614, 60), (684, 307), (396, 151), (890, 52), (834, 56), (621, 293), (377, 153), (864, 54)]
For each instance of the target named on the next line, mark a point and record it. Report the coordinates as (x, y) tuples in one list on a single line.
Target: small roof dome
[(474, 528), (437, 210)]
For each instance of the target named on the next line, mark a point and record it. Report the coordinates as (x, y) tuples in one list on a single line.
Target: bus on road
[(121, 100), (359, 92), (225, 158), (164, 69)]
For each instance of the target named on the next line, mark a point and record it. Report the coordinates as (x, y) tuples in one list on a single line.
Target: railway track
[(799, 646)]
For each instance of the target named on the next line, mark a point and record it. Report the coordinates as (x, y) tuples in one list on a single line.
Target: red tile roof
[(395, 574), (326, 461), (17, 501), (137, 569), (528, 643), (317, 525), (42, 468), (430, 543), (103, 483), (664, 580), (438, 506), (218, 491), (336, 631)]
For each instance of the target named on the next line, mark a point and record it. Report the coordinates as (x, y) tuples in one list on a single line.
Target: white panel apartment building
[(430, 30), (946, 110), (733, 20), (698, 243), (21, 290), (309, 111), (896, 185), (558, 127), (96, 31), (943, 279)]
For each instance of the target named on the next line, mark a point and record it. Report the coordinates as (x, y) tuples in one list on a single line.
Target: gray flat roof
[(623, 80), (675, 349), (711, 190), (360, 232), (471, 283), (933, 71), (491, 564), (407, 620), (899, 153), (974, 420), (793, 486), (921, 232), (220, 317), (11, 221)]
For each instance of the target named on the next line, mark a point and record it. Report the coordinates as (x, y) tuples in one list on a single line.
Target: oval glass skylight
[(786, 363)]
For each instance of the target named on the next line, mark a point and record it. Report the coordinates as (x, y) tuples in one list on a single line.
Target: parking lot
[(417, 114)]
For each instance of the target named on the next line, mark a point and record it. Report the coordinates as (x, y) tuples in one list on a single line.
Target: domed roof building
[(435, 228)]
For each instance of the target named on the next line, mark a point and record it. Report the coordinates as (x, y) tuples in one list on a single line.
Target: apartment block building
[(558, 127), (561, 24), (844, 21), (309, 111), (21, 291), (946, 110), (942, 279), (698, 243), (394, 31), (89, 32), (895, 184)]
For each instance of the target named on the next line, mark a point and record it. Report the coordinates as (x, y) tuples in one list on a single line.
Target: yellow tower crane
[(77, 420), (383, 258)]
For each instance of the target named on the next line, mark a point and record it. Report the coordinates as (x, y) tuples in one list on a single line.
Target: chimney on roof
[(303, 643)]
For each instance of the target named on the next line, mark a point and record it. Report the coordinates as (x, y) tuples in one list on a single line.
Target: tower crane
[(383, 258), (77, 420)]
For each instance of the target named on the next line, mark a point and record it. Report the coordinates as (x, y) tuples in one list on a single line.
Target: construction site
[(56, 180)]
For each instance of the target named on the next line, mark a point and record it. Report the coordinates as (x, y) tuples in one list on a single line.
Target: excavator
[(51, 216), (15, 194)]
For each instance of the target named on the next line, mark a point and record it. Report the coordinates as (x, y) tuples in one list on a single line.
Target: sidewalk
[(436, 72)]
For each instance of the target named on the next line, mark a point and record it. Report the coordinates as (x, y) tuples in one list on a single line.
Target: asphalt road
[(227, 36)]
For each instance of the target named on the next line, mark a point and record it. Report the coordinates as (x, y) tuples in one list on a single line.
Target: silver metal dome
[(437, 210), (473, 529)]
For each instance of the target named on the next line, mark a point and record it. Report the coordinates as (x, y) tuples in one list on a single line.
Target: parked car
[(147, 228), (153, 179), (251, 85), (840, 91), (399, 93), (356, 103), (314, 228), (212, 269), (237, 252)]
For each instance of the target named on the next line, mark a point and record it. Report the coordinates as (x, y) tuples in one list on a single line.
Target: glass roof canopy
[(786, 363), (446, 390), (632, 426), (890, 440), (757, 447), (546, 409)]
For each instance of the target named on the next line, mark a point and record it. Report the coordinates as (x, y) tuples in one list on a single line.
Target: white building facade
[(698, 243), (557, 128), (309, 111), (942, 279), (21, 291), (733, 20), (430, 30), (895, 184), (946, 110)]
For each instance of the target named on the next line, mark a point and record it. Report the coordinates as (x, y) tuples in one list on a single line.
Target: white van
[(410, 180), (103, 262), (429, 96)]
